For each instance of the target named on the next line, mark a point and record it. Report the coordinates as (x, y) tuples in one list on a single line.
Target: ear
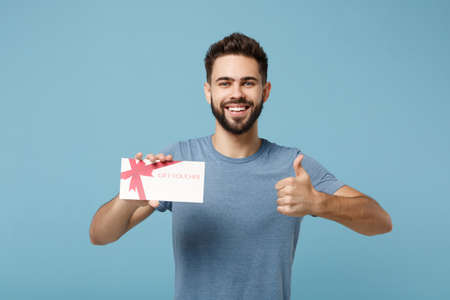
[(207, 90), (266, 90)]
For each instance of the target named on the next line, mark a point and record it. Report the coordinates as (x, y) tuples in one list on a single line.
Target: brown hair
[(236, 43)]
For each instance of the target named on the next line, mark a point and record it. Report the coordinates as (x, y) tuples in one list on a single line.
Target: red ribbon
[(141, 169)]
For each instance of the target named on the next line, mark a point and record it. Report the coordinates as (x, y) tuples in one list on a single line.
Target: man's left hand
[(296, 195)]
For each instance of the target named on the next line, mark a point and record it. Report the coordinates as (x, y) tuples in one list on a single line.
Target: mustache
[(238, 101)]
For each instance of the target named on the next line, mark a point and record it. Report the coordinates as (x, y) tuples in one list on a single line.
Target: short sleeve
[(173, 149), (164, 205), (322, 179)]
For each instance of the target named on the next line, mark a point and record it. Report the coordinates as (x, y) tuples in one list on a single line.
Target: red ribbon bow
[(141, 169)]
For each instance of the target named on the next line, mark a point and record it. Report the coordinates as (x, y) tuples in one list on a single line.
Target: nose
[(236, 92)]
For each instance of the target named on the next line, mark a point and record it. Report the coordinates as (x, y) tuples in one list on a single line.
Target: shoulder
[(289, 153), (186, 143), (193, 145), (276, 151), (193, 142), (188, 148), (172, 148)]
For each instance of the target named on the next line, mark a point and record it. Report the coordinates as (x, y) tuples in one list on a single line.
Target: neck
[(236, 145)]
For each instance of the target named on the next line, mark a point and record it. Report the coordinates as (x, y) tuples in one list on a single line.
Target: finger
[(138, 156), (165, 158), (284, 209), (298, 164), (161, 157), (151, 157), (284, 182), (285, 191), (282, 201), (286, 200), (154, 203)]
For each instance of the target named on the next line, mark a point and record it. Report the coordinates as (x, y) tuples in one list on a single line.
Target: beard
[(240, 126)]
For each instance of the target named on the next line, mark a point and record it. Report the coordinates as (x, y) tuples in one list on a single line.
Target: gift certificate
[(178, 181)]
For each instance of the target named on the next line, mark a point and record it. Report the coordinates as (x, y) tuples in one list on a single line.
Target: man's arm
[(354, 210), (117, 216), (297, 197)]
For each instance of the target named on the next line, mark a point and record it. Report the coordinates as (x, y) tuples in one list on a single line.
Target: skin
[(236, 78), (230, 81), (347, 206)]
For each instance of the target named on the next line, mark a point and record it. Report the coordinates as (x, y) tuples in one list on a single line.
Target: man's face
[(236, 92)]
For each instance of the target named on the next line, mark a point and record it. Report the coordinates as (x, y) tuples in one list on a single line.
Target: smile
[(237, 109)]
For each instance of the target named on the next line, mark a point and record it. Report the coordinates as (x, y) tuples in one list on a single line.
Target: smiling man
[(240, 243), (245, 104)]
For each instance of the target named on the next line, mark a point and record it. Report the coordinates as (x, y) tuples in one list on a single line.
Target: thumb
[(298, 164), (153, 203)]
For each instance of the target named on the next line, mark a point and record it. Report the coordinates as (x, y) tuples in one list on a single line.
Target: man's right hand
[(153, 158)]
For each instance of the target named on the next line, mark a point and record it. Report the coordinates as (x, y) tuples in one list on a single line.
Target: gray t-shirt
[(236, 245)]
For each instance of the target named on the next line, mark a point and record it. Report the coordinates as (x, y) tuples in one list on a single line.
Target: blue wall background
[(362, 86)]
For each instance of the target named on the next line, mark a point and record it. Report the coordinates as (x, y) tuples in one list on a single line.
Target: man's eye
[(249, 83), (224, 83)]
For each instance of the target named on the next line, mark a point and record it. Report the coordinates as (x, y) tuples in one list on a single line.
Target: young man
[(240, 243)]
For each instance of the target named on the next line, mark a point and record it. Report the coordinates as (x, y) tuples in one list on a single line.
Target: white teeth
[(236, 108)]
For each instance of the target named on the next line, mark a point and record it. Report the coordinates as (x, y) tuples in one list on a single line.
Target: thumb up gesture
[(296, 195)]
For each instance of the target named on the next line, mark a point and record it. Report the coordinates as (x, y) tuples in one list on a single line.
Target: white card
[(178, 181)]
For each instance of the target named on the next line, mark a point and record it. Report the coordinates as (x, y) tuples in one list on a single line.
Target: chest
[(239, 204)]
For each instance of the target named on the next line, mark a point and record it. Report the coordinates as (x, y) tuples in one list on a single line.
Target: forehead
[(235, 66)]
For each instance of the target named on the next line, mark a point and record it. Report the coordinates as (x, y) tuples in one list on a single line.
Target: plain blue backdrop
[(362, 86)]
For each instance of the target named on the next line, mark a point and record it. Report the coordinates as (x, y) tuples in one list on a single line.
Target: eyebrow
[(246, 78)]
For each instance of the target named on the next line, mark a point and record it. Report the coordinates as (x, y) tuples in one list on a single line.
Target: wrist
[(320, 203), (129, 206)]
